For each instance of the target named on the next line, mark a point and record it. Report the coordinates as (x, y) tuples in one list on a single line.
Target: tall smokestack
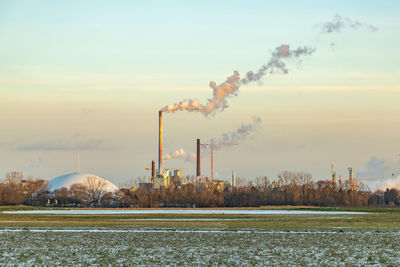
[(153, 169), (333, 176), (160, 141), (198, 158), (351, 178)]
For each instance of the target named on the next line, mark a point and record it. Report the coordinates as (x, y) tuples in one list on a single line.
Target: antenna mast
[(78, 159)]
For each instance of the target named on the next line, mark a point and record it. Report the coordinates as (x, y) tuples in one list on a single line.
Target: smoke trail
[(180, 154), (338, 23), (226, 140), (220, 93), (277, 63), (231, 86), (235, 137)]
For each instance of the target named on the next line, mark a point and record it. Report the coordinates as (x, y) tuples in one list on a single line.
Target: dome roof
[(67, 180)]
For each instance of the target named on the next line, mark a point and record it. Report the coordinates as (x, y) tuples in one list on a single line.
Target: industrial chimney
[(351, 178), (333, 176), (198, 159), (233, 179), (153, 169), (160, 141), (153, 173)]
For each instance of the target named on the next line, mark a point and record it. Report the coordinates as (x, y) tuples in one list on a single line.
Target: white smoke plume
[(235, 137), (231, 86), (338, 23), (277, 62), (226, 140), (220, 93), (180, 154), (387, 183)]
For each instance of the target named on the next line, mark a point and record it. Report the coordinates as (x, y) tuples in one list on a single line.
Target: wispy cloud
[(72, 143)]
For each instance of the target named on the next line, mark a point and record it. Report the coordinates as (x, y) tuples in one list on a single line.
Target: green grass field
[(377, 219), (207, 239)]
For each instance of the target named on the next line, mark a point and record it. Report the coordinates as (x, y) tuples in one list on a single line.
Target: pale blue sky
[(104, 68)]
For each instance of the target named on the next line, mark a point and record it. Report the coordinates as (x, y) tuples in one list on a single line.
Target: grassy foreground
[(377, 220), (279, 240)]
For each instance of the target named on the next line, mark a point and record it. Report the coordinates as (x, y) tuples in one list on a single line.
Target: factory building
[(164, 178), (167, 178)]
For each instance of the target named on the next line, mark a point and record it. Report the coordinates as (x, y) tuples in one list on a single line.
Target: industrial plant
[(169, 188), (164, 177)]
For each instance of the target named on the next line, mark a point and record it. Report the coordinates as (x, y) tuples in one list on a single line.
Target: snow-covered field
[(162, 247), (184, 211)]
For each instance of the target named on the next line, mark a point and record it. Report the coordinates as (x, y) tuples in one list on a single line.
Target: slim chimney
[(233, 179), (153, 169), (333, 176), (160, 141), (198, 159), (351, 178)]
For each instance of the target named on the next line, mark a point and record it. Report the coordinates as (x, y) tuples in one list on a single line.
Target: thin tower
[(198, 173), (77, 160), (333, 176), (160, 166)]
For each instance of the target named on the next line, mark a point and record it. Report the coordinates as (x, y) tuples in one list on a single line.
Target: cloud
[(374, 168), (72, 143)]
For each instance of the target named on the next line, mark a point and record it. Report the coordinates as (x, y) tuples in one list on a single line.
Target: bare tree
[(79, 193), (14, 177), (96, 189)]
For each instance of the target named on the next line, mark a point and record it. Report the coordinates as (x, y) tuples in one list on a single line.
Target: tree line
[(291, 188)]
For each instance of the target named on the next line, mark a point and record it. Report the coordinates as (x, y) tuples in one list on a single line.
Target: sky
[(94, 74)]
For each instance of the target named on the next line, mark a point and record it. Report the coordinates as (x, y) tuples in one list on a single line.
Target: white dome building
[(67, 180)]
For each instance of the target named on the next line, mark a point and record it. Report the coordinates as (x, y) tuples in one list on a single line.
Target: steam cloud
[(235, 137), (384, 184), (226, 140), (338, 23), (388, 183), (277, 63), (180, 154), (220, 93), (231, 86)]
